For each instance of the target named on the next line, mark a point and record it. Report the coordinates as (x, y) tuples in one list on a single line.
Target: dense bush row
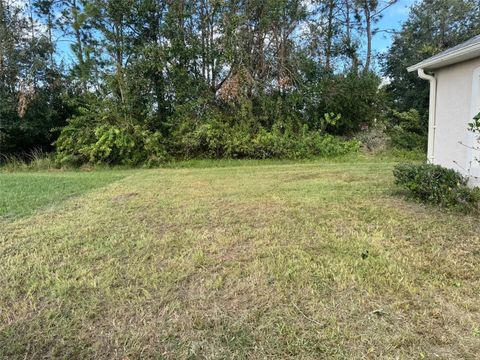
[(437, 185), (88, 139)]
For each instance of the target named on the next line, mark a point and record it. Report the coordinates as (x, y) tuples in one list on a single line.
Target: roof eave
[(449, 59)]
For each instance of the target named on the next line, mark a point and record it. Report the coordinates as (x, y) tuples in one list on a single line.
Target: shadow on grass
[(23, 193)]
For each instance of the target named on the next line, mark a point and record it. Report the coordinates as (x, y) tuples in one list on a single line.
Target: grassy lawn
[(22, 193), (256, 261)]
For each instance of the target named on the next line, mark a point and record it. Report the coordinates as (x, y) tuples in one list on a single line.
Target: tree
[(368, 7), (31, 83), (164, 72), (432, 26)]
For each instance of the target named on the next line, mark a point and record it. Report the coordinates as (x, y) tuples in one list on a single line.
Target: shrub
[(329, 145), (406, 130), (207, 140), (271, 144), (129, 145), (357, 97), (474, 127), (374, 139), (100, 135), (216, 137), (437, 185)]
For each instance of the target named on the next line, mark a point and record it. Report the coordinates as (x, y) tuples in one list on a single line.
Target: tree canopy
[(134, 80), (432, 26)]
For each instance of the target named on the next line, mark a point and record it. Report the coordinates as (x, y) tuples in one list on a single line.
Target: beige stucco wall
[(452, 115)]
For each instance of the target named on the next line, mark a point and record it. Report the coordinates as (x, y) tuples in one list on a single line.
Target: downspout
[(432, 124)]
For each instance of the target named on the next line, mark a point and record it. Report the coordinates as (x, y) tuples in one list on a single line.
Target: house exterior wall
[(456, 101)]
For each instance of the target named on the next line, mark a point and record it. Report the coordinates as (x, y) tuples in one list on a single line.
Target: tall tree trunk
[(2, 36), (350, 50), (203, 35), (329, 39), (79, 53), (368, 29)]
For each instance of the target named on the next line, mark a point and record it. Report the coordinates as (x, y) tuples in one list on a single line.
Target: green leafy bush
[(80, 143), (102, 134), (216, 139), (357, 97), (474, 127), (437, 185), (407, 131)]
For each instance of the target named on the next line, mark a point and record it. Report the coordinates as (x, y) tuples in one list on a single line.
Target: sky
[(393, 18)]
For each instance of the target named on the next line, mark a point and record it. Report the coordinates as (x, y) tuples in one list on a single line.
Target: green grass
[(22, 193), (253, 261)]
